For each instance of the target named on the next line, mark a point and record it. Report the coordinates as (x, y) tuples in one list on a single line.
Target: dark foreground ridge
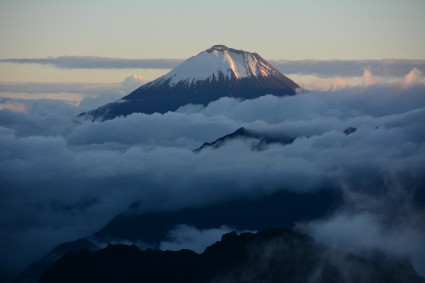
[(256, 213), (274, 255)]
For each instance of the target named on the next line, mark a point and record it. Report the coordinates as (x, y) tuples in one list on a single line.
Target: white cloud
[(133, 82), (414, 77), (368, 78)]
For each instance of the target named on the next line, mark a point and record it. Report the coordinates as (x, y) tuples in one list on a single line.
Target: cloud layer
[(60, 180), (323, 68)]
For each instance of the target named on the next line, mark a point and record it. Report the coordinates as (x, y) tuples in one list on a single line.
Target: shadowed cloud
[(61, 180)]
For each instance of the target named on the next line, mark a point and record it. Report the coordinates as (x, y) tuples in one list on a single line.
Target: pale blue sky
[(277, 29)]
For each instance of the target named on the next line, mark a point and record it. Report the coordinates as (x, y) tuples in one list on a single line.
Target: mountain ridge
[(272, 255)]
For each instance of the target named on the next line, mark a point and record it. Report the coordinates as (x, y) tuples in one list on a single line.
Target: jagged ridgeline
[(274, 255)]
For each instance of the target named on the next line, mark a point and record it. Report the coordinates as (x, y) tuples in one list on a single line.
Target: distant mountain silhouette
[(274, 255), (261, 139)]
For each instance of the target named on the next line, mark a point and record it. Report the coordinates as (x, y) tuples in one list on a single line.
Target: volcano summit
[(214, 73)]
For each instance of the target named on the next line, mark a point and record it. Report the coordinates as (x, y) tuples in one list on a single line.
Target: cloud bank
[(60, 180)]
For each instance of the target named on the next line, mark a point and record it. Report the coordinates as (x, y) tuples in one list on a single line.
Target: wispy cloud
[(94, 62)]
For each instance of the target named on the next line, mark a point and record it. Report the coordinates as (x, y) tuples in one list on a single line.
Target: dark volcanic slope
[(261, 139), (277, 255), (217, 72)]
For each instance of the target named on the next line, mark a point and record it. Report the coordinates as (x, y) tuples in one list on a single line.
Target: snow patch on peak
[(217, 62), (219, 47)]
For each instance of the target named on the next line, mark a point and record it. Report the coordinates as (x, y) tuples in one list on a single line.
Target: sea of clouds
[(61, 179)]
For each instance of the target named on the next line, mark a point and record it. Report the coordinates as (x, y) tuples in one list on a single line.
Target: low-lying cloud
[(61, 180)]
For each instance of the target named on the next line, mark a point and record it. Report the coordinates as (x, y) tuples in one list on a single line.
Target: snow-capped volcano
[(214, 73), (216, 62)]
